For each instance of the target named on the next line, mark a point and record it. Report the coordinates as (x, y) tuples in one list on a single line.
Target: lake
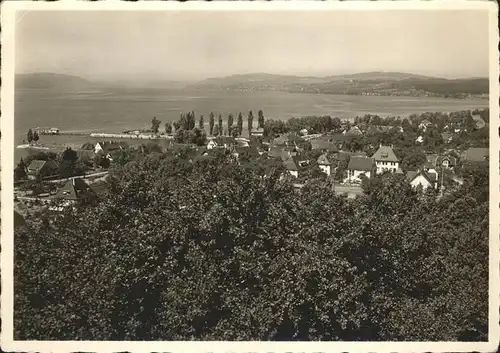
[(116, 110)]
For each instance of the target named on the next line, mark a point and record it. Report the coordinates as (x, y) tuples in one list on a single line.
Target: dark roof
[(430, 177), (19, 220), (361, 163), (446, 136), (342, 156), (36, 165), (385, 154), (113, 146), (222, 140), (476, 154), (290, 164), (322, 144), (341, 138), (451, 160), (74, 189), (88, 146), (277, 152)]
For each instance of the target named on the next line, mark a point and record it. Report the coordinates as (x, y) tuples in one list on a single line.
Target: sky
[(173, 45)]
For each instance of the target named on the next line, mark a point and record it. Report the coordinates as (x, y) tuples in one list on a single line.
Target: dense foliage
[(213, 250)]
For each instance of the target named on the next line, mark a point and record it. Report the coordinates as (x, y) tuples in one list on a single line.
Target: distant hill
[(370, 83), (52, 81)]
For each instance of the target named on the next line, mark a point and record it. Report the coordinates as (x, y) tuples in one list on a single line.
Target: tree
[(220, 124), (176, 125), (168, 128), (155, 125), (239, 124), (216, 130), (36, 137), (250, 122), (261, 118), (20, 171), (212, 122), (230, 123), (30, 136), (201, 123)]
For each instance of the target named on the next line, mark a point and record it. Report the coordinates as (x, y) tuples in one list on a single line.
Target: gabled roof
[(113, 146), (322, 144), (36, 165), (476, 154), (277, 152), (290, 164), (354, 130), (74, 189), (361, 163), (323, 160), (412, 175), (385, 154), (88, 146), (451, 159)]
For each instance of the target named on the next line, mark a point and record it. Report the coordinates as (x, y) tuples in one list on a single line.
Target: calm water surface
[(116, 110)]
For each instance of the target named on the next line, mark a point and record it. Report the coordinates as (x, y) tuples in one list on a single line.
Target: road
[(86, 176)]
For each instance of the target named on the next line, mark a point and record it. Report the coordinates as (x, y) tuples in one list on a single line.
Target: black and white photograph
[(250, 173)]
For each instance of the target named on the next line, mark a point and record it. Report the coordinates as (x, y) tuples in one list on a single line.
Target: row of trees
[(32, 136), (213, 250), (187, 122)]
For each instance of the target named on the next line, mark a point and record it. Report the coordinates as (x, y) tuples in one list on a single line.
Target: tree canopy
[(209, 249)]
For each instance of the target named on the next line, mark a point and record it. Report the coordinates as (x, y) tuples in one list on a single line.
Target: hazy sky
[(196, 45)]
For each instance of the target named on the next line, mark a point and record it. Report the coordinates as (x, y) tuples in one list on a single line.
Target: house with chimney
[(360, 166), (324, 164), (386, 160)]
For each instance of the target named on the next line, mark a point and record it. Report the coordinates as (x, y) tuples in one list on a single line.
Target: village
[(347, 155)]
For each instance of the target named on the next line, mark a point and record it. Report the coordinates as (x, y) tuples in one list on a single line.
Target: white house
[(426, 180), (211, 144), (324, 164), (424, 125), (359, 166), (386, 160), (419, 139)]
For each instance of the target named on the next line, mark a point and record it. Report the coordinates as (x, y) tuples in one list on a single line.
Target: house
[(107, 147), (353, 131), (225, 141), (304, 132), (211, 144), (39, 169), (259, 131), (75, 190), (422, 178), (322, 144), (480, 123), (324, 164), (242, 142), (291, 166), (447, 137), (278, 152), (476, 154), (386, 159), (419, 139), (424, 125), (359, 166), (446, 161)]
